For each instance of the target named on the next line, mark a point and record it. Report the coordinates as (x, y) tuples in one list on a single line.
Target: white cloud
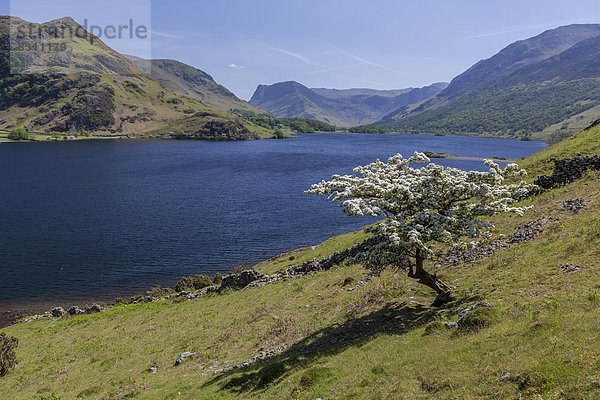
[(232, 65), (167, 35), (361, 59), (290, 53)]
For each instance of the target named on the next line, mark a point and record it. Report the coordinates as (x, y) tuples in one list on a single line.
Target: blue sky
[(324, 43)]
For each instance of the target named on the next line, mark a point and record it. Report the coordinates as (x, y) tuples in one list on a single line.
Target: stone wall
[(567, 170)]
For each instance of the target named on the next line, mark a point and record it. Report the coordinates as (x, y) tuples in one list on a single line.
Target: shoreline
[(289, 135)]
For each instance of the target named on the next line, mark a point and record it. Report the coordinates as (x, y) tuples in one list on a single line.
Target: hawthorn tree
[(423, 206)]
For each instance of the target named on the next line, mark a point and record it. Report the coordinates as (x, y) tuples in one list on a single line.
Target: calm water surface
[(99, 219)]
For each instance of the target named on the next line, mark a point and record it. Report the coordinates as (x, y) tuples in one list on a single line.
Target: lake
[(93, 220)]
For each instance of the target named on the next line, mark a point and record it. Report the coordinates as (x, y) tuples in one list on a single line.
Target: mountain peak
[(341, 107), (519, 54)]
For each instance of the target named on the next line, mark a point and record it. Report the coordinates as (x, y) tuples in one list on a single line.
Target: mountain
[(186, 80), (349, 93), (86, 86), (348, 107), (535, 85), (518, 55)]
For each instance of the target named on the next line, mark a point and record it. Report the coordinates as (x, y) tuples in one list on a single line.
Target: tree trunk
[(444, 292)]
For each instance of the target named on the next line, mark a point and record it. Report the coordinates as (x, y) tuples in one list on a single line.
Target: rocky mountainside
[(186, 80), (518, 55), (542, 84), (85, 86), (345, 108)]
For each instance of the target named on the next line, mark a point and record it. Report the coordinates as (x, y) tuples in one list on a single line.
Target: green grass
[(506, 111), (544, 331), (585, 143)]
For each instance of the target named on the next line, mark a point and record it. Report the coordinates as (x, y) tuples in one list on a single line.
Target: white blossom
[(423, 205)]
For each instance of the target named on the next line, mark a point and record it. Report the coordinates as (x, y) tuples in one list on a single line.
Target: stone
[(241, 280), (183, 356), (76, 311), (153, 370), (567, 170), (505, 377), (145, 299), (566, 268), (95, 308), (573, 205), (58, 312), (523, 234)]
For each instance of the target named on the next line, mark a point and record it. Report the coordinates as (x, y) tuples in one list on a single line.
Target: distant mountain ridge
[(341, 107), (548, 85)]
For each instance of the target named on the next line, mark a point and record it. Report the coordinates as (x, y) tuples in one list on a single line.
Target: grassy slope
[(510, 112), (546, 336), (137, 103), (585, 143), (189, 81)]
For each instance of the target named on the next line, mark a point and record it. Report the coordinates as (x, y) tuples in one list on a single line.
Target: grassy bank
[(365, 343)]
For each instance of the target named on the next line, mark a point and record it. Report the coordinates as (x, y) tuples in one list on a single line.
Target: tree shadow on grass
[(392, 319)]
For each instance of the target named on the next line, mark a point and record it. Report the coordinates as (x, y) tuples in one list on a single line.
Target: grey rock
[(145, 299), (523, 234), (58, 312), (450, 325), (153, 370), (566, 268), (241, 280), (94, 309), (573, 205), (567, 170), (76, 311), (505, 377), (183, 356)]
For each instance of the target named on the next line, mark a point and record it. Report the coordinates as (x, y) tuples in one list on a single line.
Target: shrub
[(434, 328), (348, 281), (160, 291), (218, 278), (239, 268), (270, 373), (18, 134), (481, 317), (313, 376), (193, 283), (8, 359)]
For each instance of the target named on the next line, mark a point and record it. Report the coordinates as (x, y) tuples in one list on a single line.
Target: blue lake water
[(99, 219)]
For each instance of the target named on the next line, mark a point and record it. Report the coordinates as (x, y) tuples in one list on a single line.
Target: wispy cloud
[(361, 59), (290, 53), (236, 66), (341, 67), (166, 35)]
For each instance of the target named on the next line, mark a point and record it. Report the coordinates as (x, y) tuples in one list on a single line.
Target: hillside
[(88, 87), (345, 108), (531, 86), (188, 81), (335, 334)]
